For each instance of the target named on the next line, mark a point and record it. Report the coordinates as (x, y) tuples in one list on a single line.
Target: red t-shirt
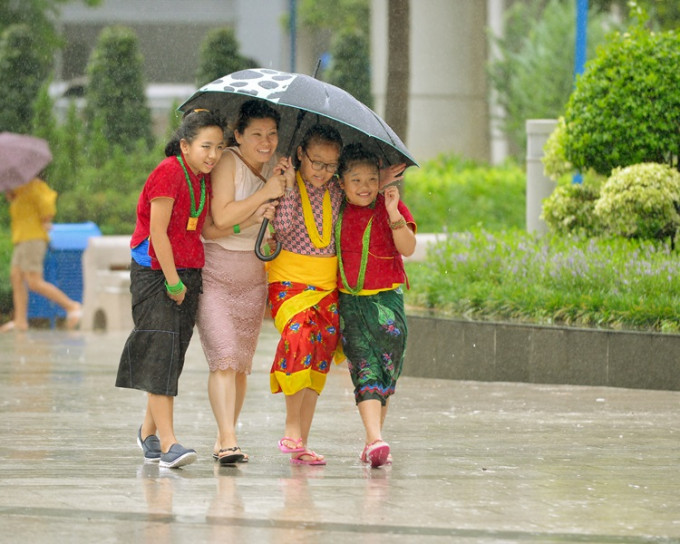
[(385, 266), (168, 180)]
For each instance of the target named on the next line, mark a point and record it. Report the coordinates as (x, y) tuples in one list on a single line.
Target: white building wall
[(448, 108), (171, 31)]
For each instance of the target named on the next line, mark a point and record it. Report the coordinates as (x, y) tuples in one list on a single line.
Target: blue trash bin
[(63, 267)]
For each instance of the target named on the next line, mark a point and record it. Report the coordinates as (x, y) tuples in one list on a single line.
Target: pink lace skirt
[(231, 308)]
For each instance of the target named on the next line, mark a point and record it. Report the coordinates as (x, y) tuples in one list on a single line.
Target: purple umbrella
[(22, 158)]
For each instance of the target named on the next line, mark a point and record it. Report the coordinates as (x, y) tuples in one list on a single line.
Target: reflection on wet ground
[(473, 462)]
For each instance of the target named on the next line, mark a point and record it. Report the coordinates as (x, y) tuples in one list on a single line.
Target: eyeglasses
[(318, 165)]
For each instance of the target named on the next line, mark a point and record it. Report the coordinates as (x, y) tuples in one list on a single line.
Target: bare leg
[(161, 409), (222, 394), (19, 299), (383, 413), (371, 414), (307, 409), (241, 387), (148, 426), (293, 410), (36, 283)]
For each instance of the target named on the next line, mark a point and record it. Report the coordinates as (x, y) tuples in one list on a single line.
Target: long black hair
[(192, 123)]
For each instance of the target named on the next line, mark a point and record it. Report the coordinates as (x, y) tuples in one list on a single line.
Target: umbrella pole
[(265, 222), (260, 239)]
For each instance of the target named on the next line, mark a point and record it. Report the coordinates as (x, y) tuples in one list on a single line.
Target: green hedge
[(452, 194), (516, 276)]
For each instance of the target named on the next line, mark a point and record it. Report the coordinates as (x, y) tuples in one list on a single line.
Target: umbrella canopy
[(319, 102), (22, 158)]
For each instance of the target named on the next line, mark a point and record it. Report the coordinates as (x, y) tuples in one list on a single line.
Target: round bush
[(624, 109), (570, 210), (641, 201)]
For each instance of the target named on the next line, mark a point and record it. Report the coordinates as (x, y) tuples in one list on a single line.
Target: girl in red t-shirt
[(165, 272), (372, 233)]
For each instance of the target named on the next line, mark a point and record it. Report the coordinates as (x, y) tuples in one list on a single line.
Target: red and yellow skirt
[(304, 304)]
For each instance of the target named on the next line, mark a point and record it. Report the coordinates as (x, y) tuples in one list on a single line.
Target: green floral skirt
[(373, 332)]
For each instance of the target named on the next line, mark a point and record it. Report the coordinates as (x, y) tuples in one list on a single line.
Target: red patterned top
[(385, 266), (289, 222)]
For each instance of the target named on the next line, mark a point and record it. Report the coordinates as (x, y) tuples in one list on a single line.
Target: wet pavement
[(473, 462)]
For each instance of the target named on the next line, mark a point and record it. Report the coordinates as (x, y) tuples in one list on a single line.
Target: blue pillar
[(580, 50), (581, 36)]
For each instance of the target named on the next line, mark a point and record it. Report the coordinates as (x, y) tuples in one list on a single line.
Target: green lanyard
[(194, 212), (365, 242)]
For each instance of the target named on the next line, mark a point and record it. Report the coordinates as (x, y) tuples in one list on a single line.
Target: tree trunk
[(398, 67)]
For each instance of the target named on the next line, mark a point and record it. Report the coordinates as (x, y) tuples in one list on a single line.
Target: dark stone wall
[(486, 351)]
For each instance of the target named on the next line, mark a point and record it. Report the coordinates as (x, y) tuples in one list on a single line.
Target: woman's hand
[(391, 174), (265, 211), (275, 186)]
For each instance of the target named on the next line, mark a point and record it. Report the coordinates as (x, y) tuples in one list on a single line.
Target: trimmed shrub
[(555, 163), (108, 194), (22, 72), (116, 100), (220, 56), (641, 201), (350, 67), (625, 108), (570, 210)]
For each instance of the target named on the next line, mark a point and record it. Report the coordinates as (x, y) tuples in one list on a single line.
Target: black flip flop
[(230, 459)]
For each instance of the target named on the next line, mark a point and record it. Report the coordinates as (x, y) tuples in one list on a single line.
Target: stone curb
[(504, 352)]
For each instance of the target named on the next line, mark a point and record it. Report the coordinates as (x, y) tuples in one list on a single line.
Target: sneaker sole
[(182, 460)]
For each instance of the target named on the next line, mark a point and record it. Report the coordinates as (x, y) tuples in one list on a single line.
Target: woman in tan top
[(232, 305)]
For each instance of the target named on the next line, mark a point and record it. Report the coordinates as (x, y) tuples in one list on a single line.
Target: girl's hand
[(392, 200), (286, 169), (391, 174), (179, 297)]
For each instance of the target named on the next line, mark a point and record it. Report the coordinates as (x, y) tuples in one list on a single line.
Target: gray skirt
[(153, 356)]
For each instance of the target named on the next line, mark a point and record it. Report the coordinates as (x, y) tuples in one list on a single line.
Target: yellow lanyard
[(319, 240)]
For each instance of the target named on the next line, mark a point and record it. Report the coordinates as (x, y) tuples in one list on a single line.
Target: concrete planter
[(488, 351)]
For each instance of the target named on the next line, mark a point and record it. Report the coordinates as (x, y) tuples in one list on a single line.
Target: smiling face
[(318, 162), (258, 141), (360, 182), (203, 152)]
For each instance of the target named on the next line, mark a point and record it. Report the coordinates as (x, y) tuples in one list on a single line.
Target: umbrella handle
[(258, 244)]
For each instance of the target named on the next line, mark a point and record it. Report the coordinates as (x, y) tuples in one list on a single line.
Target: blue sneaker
[(151, 446), (177, 456)]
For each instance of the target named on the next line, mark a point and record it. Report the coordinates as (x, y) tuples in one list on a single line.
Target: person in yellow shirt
[(32, 207)]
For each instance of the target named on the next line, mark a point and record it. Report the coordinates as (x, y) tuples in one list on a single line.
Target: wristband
[(398, 224), (237, 229), (175, 289)]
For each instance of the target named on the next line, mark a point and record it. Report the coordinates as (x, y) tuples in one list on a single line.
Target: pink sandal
[(299, 448), (376, 453), (316, 459)]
